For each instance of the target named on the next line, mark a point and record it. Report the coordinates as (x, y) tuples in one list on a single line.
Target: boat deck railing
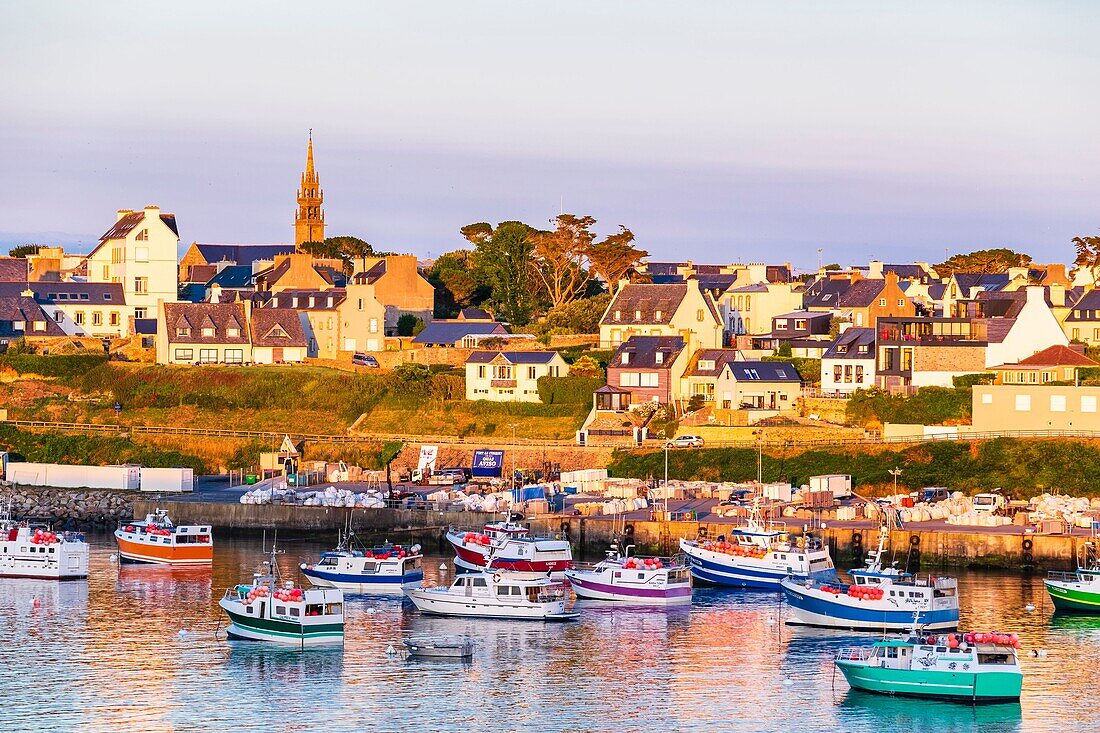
[(853, 653), (1068, 576)]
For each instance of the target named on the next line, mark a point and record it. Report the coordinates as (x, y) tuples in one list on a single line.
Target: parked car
[(448, 477), (364, 360), (931, 494), (686, 441)]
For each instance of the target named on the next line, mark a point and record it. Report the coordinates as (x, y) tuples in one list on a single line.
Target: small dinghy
[(456, 647)]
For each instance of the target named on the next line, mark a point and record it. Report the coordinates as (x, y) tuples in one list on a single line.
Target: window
[(626, 358), (114, 319), (848, 373), (1057, 403), (706, 365), (142, 236), (208, 356), (530, 372), (1023, 403), (648, 379), (618, 315), (657, 317), (79, 318), (59, 316), (1088, 403), (882, 302), (97, 318), (629, 379), (141, 254), (141, 285), (39, 325), (234, 356), (901, 302), (1075, 334), (748, 302), (183, 331), (987, 398), (637, 315), (837, 372), (699, 315), (481, 372), (184, 355), (659, 357), (233, 332), (800, 324), (208, 332), (139, 312), (106, 296), (859, 373), (373, 325)]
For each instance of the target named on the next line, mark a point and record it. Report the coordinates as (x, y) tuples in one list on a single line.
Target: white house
[(849, 362), (139, 252), (510, 376), (1034, 329)]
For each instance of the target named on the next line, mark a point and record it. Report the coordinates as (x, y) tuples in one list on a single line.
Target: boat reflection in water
[(286, 665), (867, 711)]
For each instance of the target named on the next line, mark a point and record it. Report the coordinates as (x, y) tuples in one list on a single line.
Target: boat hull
[(589, 588), (68, 561), (290, 633), (363, 583), (130, 551), (742, 572), (1072, 597), (961, 686), (814, 608)]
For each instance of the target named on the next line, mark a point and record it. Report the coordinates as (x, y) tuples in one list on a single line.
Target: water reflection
[(135, 647)]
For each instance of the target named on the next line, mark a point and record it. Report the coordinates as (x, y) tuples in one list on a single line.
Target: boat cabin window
[(334, 609), (281, 610), (892, 652), (52, 549), (941, 650), (327, 561), (370, 567), (479, 582), (460, 582), (943, 592), (294, 611), (994, 658), (927, 648), (641, 576), (915, 594)]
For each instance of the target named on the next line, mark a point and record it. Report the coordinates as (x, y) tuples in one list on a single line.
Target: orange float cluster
[(1011, 640), (476, 539), (650, 563), (44, 538), (396, 551), (731, 548)]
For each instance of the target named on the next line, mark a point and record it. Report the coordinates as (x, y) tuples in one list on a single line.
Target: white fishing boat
[(625, 579), (878, 598), (353, 568), (29, 550), (497, 594), (757, 555), (271, 610)]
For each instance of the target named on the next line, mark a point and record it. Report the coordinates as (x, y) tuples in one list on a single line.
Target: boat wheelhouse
[(971, 668), (757, 555), (1077, 591), (353, 568), (30, 550), (878, 598), (512, 548), (626, 579), (156, 540), (271, 610), (497, 594)]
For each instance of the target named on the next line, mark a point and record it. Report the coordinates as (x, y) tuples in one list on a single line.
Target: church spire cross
[(309, 222)]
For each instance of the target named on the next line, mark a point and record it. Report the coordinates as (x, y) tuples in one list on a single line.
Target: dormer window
[(233, 332), (842, 349), (706, 365), (863, 348), (659, 357), (781, 325), (626, 357), (208, 332), (294, 302), (657, 315), (183, 331)]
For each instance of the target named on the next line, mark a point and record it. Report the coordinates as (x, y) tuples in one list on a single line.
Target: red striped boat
[(156, 540)]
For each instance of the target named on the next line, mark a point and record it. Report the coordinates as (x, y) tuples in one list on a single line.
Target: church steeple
[(309, 222)]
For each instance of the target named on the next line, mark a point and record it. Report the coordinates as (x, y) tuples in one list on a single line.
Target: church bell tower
[(309, 222)]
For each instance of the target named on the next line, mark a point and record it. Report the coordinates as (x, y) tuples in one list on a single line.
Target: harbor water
[(134, 648)]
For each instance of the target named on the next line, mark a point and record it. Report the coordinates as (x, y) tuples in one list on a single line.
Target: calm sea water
[(134, 648)]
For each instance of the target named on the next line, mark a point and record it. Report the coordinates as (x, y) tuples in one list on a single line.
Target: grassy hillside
[(1023, 467), (91, 450)]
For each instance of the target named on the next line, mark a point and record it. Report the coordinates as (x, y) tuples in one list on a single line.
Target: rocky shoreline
[(68, 508)]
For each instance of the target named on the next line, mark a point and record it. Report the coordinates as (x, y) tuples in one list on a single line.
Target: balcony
[(503, 383)]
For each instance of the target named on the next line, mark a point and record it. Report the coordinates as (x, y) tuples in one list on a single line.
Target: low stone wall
[(69, 508)]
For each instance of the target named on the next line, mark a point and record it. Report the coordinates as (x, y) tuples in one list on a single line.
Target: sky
[(716, 131)]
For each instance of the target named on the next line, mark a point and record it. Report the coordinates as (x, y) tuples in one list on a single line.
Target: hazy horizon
[(716, 132)]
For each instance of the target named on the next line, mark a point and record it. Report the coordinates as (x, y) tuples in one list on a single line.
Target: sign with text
[(428, 454), (487, 463)]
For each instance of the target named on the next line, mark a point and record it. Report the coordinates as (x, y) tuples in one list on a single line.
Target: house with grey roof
[(203, 333), (650, 368), (22, 317), (703, 368), (849, 362), (277, 335), (465, 334), (764, 388), (679, 309), (79, 308), (510, 376)]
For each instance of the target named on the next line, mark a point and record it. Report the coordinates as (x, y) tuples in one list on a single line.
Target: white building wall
[(1035, 329), (830, 384)]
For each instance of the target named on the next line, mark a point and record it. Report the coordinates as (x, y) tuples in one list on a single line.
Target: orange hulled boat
[(156, 540)]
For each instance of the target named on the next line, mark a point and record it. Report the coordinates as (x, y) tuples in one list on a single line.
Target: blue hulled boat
[(352, 568)]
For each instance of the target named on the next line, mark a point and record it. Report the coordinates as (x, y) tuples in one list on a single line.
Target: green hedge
[(568, 390), (64, 366), (965, 381), (1022, 467), (808, 369), (94, 450), (927, 406)]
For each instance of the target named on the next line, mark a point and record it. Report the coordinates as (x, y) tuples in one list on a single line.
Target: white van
[(991, 503)]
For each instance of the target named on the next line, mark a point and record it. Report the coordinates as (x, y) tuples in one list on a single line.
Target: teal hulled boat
[(1077, 592), (937, 667)]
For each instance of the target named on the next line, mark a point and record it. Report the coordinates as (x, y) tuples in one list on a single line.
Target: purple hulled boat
[(632, 580)]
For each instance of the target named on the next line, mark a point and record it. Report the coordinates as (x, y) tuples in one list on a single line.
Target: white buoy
[(1029, 607), (370, 611), (769, 621), (787, 681), (1042, 652), (114, 558), (35, 603), (183, 632), (390, 651)]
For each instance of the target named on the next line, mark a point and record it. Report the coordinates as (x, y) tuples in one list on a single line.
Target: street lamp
[(513, 426), (895, 472), (668, 444)]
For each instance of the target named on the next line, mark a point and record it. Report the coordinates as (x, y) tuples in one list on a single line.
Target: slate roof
[(201, 273), (13, 269), (242, 254), (717, 282), (1087, 307), (817, 323), (861, 293), (276, 327), (718, 356), (908, 272), (763, 371), (475, 314), (24, 308), (75, 292), (372, 275), (967, 281), (846, 345), (646, 299), (777, 273), (514, 357), (663, 268), (322, 299), (221, 316), (643, 352), (126, 224), (448, 333), (825, 293), (1054, 356), (666, 279), (233, 276)]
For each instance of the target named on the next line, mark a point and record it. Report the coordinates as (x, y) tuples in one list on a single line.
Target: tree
[(983, 260), (409, 325), (23, 250), (1088, 256), (561, 257), (456, 282), (345, 248), (585, 366), (504, 259), (614, 257), (580, 316)]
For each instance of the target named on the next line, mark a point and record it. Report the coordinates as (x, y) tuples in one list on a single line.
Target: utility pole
[(895, 472), (513, 426)]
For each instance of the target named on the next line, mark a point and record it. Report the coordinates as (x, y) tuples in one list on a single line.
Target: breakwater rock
[(68, 508)]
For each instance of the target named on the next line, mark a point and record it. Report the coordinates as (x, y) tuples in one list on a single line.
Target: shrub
[(409, 325), (571, 390), (586, 366), (928, 406), (580, 316), (63, 366), (965, 381)]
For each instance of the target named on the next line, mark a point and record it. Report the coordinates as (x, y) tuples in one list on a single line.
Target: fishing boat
[(276, 611), (972, 668), (496, 594), (458, 647), (30, 550), (757, 555), (512, 548), (156, 540), (354, 568), (626, 579), (878, 598), (1078, 591)]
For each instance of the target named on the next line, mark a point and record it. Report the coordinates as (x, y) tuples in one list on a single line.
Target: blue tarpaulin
[(487, 463), (527, 493)]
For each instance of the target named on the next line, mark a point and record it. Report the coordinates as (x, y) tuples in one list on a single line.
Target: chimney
[(874, 269), (1057, 295), (152, 212), (122, 213)]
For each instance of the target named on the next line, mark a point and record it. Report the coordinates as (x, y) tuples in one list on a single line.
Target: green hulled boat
[(946, 667), (1077, 592)]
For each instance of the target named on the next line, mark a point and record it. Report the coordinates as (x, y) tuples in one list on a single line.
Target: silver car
[(686, 441)]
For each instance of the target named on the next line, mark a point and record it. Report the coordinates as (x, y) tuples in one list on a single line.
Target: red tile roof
[(1058, 356)]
